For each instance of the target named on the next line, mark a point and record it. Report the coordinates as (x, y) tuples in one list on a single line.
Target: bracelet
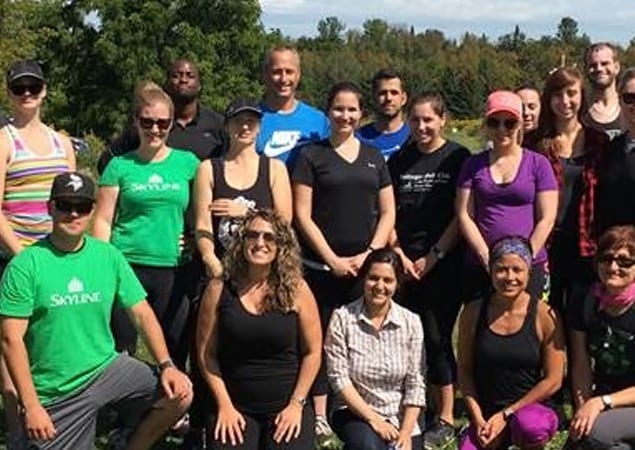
[(300, 400)]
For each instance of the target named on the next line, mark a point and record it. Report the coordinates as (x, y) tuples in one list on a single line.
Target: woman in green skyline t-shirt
[(142, 201)]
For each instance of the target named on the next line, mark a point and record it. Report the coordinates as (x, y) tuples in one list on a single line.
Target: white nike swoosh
[(272, 151)]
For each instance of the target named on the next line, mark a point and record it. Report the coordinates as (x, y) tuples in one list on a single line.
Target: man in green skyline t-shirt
[(56, 299)]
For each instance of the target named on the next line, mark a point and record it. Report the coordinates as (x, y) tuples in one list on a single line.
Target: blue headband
[(513, 244)]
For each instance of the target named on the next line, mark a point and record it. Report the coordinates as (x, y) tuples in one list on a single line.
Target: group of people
[(291, 262)]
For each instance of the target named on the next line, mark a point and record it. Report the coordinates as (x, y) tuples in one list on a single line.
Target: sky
[(602, 20)]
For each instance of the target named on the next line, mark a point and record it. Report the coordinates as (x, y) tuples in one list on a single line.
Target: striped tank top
[(27, 187)]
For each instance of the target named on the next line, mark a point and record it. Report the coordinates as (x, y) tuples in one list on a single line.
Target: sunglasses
[(495, 123), (67, 206), (22, 89), (267, 236), (147, 123), (623, 262), (628, 98)]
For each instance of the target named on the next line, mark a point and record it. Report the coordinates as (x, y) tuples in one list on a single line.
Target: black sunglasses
[(495, 123), (624, 262), (628, 98), (22, 89), (82, 207), (147, 123), (253, 235)]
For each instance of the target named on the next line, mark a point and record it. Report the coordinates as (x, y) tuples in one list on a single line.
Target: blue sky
[(612, 20)]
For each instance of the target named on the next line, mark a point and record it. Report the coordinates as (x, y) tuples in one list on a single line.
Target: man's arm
[(175, 383), (38, 423)]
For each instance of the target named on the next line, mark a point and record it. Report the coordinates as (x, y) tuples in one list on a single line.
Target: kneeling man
[(56, 299)]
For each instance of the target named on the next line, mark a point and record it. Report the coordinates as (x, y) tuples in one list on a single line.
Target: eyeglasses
[(628, 98), (147, 123), (253, 235), (82, 207), (495, 123), (624, 262), (22, 89)]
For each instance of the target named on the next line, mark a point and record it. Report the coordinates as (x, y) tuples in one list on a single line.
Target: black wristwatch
[(440, 254), (165, 364)]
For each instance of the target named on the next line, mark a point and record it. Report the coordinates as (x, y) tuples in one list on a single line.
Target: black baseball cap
[(242, 105), (24, 68), (73, 185)]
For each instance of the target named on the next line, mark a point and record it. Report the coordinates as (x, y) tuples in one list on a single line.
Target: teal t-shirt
[(153, 199), (68, 299)]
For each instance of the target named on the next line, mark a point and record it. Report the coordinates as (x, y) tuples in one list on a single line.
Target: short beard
[(602, 86), (387, 117)]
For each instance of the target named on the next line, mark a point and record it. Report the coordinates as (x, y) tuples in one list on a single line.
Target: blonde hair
[(148, 93)]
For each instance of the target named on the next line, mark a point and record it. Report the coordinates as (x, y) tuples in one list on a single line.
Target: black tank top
[(258, 354), (257, 196), (506, 366)]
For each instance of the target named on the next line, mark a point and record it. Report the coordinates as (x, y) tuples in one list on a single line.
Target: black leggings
[(437, 301), (571, 275), (169, 295), (258, 434), (330, 292)]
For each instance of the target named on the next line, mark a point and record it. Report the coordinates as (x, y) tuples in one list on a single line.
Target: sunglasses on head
[(623, 262), (147, 123), (81, 207), (22, 89), (628, 98), (494, 123), (267, 236)]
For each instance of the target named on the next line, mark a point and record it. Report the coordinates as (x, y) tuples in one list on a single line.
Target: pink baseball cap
[(504, 101)]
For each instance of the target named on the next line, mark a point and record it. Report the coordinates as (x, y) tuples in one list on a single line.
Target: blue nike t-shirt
[(387, 143), (281, 132)]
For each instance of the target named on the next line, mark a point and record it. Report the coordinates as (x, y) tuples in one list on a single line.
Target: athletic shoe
[(439, 435)]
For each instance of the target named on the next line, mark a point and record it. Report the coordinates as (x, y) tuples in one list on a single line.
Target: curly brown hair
[(286, 269)]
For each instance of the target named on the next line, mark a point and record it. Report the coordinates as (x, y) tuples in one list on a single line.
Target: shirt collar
[(394, 316), (195, 120)]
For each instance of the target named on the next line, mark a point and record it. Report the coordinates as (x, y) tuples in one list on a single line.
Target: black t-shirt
[(425, 187), (345, 195), (203, 136), (615, 199), (612, 128), (610, 343)]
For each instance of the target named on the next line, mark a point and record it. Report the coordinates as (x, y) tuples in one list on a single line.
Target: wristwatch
[(607, 401), (507, 414), (300, 400), (440, 254), (165, 364)]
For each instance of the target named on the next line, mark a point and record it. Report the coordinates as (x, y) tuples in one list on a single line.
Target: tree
[(330, 29), (513, 41), (16, 35), (567, 31)]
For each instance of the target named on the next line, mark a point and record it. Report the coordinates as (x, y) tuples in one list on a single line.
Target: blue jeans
[(358, 435)]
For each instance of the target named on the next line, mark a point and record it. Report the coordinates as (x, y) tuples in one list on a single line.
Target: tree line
[(95, 51)]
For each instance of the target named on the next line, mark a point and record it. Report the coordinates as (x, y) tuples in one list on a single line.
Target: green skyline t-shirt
[(153, 199), (68, 299)]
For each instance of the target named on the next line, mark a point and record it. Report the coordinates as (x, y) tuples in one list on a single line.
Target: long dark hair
[(545, 141)]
